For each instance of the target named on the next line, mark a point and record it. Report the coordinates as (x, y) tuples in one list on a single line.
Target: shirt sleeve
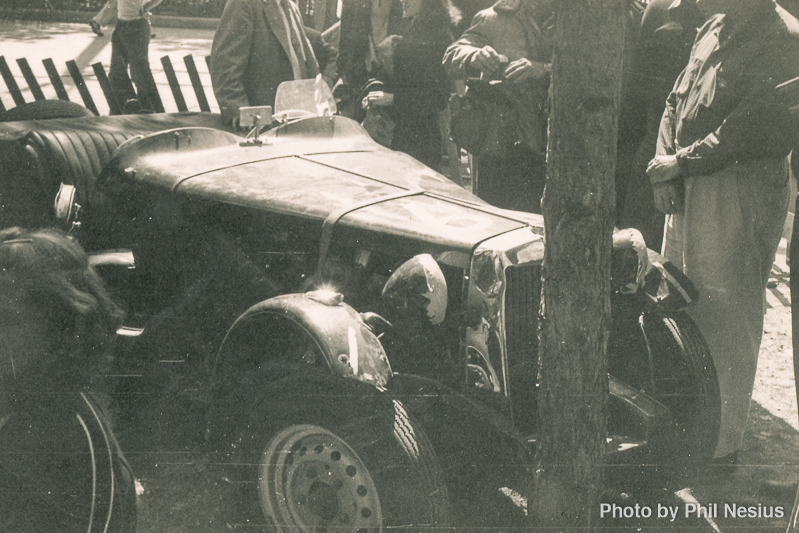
[(665, 142), (761, 126), (230, 53), (458, 56)]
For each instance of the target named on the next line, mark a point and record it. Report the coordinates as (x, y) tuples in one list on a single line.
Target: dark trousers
[(129, 47)]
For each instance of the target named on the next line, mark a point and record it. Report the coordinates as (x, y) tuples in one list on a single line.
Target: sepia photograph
[(414, 266)]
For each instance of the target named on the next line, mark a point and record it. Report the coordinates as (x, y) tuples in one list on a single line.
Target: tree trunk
[(578, 210)]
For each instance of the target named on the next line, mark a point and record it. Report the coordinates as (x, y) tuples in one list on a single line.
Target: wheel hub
[(312, 480)]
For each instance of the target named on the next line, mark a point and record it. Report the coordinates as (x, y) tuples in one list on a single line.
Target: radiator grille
[(522, 296)]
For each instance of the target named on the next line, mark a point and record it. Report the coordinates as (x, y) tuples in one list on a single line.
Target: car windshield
[(304, 98)]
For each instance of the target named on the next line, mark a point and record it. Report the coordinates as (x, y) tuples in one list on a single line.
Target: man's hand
[(663, 168), (524, 69), (487, 60), (378, 99), (669, 197)]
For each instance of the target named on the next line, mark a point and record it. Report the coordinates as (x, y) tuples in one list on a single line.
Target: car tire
[(326, 453), (684, 380), (489, 473), (45, 109)]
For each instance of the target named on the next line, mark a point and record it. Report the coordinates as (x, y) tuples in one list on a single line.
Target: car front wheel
[(333, 454)]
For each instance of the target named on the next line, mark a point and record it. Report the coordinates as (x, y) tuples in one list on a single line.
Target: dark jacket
[(353, 46), (419, 81), (325, 52), (248, 59), (511, 28), (728, 104), (420, 87)]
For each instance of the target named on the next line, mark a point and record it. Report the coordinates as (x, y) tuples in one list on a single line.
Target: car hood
[(325, 169)]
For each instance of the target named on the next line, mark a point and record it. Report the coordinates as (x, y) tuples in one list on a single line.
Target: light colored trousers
[(725, 243)]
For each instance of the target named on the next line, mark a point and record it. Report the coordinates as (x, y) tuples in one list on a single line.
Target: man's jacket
[(249, 59)]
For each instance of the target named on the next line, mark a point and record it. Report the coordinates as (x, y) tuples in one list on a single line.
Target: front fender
[(335, 331), (666, 285), (488, 466)]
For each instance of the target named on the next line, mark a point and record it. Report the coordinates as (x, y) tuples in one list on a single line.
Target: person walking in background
[(61, 468), (508, 43), (721, 176), (130, 44), (416, 88), (258, 45), (104, 17)]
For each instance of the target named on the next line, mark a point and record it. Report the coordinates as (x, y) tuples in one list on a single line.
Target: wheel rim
[(312, 480)]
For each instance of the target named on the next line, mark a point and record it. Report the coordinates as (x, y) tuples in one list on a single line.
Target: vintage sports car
[(354, 334)]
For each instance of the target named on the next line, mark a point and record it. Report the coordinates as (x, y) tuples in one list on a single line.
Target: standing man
[(721, 176), (129, 48), (259, 44), (509, 42), (655, 56)]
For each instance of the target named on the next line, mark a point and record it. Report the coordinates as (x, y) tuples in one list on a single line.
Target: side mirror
[(254, 117), (260, 115)]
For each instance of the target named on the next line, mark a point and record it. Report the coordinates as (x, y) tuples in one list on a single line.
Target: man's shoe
[(96, 28)]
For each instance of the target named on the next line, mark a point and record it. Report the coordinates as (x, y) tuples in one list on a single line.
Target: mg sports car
[(352, 335)]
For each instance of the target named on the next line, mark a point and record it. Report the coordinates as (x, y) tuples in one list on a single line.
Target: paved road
[(62, 42)]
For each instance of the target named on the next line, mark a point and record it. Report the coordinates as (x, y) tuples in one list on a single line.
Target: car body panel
[(346, 175)]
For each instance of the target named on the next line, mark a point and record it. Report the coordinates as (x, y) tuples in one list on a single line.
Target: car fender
[(488, 465), (349, 348)]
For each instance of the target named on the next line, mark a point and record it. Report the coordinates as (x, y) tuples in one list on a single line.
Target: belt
[(133, 21)]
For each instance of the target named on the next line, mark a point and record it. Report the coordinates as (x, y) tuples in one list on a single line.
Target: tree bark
[(578, 209)]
